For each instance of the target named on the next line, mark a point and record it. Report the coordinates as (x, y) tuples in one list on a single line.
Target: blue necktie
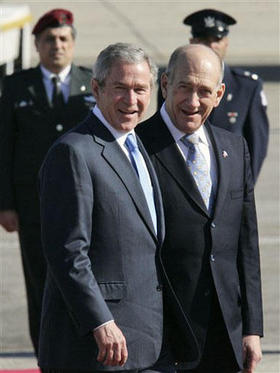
[(199, 169), (138, 163)]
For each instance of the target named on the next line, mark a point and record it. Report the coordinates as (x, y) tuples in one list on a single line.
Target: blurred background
[(157, 27)]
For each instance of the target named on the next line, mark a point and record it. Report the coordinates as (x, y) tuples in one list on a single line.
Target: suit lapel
[(118, 161), (221, 150), (170, 157), (157, 193), (36, 89)]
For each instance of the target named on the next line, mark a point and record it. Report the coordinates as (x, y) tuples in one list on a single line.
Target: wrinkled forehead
[(193, 67)]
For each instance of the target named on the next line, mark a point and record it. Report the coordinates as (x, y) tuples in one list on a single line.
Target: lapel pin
[(224, 154)]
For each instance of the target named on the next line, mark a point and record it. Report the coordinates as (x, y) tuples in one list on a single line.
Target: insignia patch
[(24, 103), (89, 98), (209, 22), (263, 98), (232, 117)]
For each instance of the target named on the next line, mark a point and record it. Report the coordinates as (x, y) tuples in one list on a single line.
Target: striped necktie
[(198, 167)]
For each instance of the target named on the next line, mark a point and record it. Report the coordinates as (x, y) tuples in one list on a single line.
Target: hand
[(252, 352), (9, 220), (111, 344)]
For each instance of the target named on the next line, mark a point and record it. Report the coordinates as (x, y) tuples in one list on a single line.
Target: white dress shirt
[(64, 77), (204, 145)]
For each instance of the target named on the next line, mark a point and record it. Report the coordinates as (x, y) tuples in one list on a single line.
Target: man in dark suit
[(35, 111), (102, 231), (243, 108), (210, 252)]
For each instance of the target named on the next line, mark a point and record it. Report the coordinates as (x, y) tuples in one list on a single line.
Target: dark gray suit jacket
[(204, 255), (102, 251)]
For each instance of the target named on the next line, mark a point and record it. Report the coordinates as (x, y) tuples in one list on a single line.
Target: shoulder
[(82, 70), (246, 76), (19, 76), (148, 124)]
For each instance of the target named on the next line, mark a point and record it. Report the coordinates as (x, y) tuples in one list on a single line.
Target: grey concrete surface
[(157, 27)]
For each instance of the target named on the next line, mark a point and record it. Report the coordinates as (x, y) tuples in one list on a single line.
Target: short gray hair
[(120, 52), (170, 70)]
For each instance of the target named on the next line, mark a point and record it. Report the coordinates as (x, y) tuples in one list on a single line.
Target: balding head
[(195, 55), (192, 86)]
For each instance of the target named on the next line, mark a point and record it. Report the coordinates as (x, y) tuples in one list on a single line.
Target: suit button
[(206, 293), (212, 258), (213, 225), (59, 127), (159, 288)]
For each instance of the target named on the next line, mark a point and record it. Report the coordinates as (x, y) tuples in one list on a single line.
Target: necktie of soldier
[(137, 161), (198, 167), (57, 96)]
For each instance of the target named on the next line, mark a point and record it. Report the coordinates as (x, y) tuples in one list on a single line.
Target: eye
[(141, 90), (205, 92)]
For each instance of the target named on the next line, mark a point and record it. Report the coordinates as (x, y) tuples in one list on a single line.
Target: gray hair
[(170, 70), (121, 52)]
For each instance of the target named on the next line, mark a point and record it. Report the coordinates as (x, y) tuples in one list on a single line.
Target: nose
[(193, 100), (130, 97), (57, 43)]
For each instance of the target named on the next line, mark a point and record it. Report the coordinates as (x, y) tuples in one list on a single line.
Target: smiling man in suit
[(102, 231), (37, 106), (210, 251)]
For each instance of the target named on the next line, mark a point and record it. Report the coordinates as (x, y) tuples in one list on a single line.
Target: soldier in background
[(37, 106), (243, 107)]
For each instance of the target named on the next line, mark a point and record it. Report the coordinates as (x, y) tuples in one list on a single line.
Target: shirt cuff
[(105, 323)]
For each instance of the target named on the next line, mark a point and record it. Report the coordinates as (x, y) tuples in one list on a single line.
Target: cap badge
[(209, 21)]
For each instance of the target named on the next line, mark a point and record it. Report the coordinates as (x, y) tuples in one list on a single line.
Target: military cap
[(209, 22), (53, 18)]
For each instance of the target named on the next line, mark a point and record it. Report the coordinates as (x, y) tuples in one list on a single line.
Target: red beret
[(54, 18)]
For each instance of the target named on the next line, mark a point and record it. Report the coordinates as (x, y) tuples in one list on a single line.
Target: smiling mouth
[(190, 113), (127, 112)]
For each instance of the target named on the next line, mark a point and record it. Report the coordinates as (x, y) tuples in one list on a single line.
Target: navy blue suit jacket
[(203, 255), (101, 249)]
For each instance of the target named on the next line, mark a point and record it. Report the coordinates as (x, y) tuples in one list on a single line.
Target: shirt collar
[(120, 136), (63, 75), (176, 133)]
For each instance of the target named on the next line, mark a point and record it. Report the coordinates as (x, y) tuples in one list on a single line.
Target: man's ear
[(36, 44), (95, 88), (163, 84), (220, 93)]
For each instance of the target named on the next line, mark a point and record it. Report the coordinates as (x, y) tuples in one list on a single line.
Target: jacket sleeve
[(257, 130), (7, 142), (249, 259), (67, 201)]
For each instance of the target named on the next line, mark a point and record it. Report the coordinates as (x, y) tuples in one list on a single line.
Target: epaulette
[(244, 73), (84, 68)]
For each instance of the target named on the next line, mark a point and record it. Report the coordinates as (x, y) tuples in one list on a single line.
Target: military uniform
[(28, 127), (243, 111)]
